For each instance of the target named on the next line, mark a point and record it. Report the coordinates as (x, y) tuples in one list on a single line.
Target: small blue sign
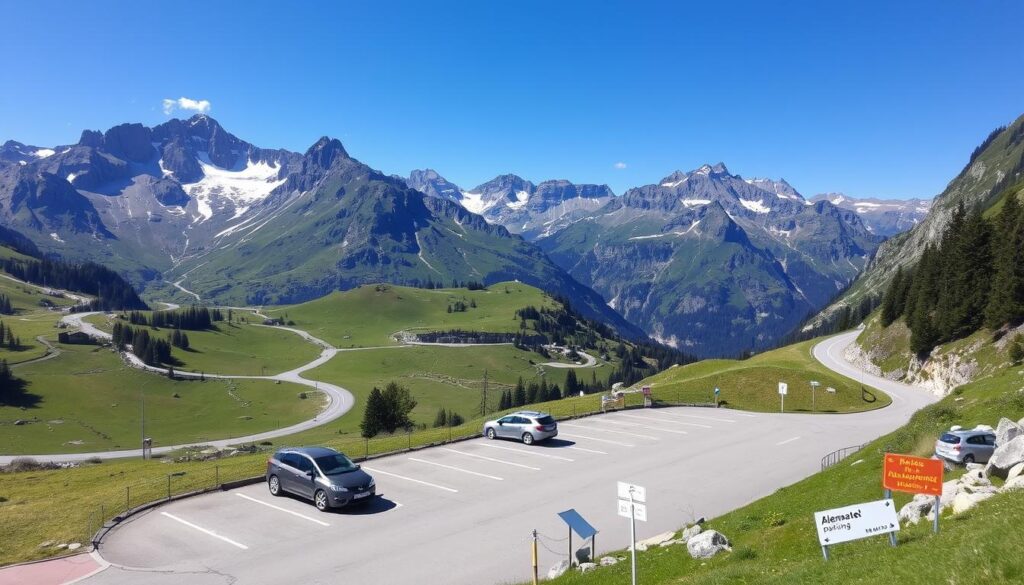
[(717, 392), (577, 523)]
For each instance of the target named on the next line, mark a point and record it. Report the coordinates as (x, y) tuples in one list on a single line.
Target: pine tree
[(373, 415), (1017, 349), (519, 396), (890, 301), (1006, 299), (571, 384), (441, 419)]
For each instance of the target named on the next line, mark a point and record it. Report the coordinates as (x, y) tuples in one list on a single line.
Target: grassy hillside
[(889, 349), (370, 315), (774, 539), (753, 384), (236, 348), (86, 399), (440, 377)]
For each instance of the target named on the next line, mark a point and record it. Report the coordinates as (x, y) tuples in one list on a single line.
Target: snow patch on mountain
[(44, 152), (240, 186), (755, 205), (694, 202)]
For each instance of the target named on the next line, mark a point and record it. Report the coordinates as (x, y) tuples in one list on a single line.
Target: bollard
[(127, 498)]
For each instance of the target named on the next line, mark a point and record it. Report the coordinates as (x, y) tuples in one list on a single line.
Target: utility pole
[(142, 401)]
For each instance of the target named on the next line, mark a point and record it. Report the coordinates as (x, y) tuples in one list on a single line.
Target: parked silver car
[(963, 446), (320, 474), (526, 426)]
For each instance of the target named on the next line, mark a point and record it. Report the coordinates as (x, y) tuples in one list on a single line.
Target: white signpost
[(630, 496), (783, 390), (855, 522)]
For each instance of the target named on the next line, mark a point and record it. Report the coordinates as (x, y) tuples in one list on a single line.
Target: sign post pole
[(814, 386), (783, 389), (824, 551), (892, 535), (534, 557), (632, 531), (717, 392), (938, 502)]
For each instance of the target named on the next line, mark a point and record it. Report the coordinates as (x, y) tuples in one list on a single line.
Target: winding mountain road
[(339, 400)]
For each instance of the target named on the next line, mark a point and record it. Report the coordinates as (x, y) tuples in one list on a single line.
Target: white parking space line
[(698, 417), (734, 413), (668, 420), (619, 443), (676, 431), (453, 468), (611, 431), (574, 447), (486, 458), (205, 531), (786, 441), (420, 481), (286, 511), (524, 451)]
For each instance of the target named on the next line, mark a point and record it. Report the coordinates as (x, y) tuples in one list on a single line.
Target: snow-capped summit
[(884, 217)]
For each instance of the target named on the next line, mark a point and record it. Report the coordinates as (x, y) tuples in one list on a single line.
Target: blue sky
[(869, 98)]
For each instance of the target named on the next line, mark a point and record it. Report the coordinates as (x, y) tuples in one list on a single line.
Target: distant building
[(76, 338), (275, 321)]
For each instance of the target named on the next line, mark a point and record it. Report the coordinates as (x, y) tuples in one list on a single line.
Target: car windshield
[(545, 420), (335, 464), (949, 438)]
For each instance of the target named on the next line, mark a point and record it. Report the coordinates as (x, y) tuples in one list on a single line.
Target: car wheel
[(275, 485), (969, 458), (491, 434), (320, 500), (527, 439)]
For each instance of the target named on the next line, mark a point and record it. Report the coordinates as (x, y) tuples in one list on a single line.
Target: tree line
[(972, 278), (151, 350), (8, 339), (192, 318), (111, 291)]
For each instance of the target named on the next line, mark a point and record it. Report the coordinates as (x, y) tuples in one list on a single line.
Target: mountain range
[(189, 204), (704, 260), (884, 217)]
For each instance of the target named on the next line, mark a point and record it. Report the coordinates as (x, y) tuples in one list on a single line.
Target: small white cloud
[(619, 165), (184, 103)]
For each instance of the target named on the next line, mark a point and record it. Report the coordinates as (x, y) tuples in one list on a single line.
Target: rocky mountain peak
[(326, 151)]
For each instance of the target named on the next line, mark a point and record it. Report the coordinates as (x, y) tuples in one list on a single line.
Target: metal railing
[(838, 455)]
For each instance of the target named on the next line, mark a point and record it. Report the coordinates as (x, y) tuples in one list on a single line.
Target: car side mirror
[(501, 424), (311, 473)]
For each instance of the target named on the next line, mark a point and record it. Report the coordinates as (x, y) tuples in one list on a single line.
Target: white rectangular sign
[(783, 388), (639, 510), (857, 521), (639, 493)]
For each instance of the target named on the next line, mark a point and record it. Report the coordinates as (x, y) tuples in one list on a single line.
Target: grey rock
[(656, 540), (707, 544), (558, 569), (916, 509), (1015, 471), (1005, 457), (690, 533), (965, 501), (608, 561), (1007, 431), (74, 546), (1017, 483), (587, 567)]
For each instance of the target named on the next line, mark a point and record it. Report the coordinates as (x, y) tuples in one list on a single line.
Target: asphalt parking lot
[(464, 513)]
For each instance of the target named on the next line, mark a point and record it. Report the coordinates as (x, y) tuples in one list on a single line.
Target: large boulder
[(916, 509), (1017, 483), (558, 569), (1015, 471), (965, 501), (1007, 431), (587, 567), (707, 544), (1005, 457)]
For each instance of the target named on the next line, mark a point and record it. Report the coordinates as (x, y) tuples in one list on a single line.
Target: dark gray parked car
[(320, 474), (526, 426), (966, 446)]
